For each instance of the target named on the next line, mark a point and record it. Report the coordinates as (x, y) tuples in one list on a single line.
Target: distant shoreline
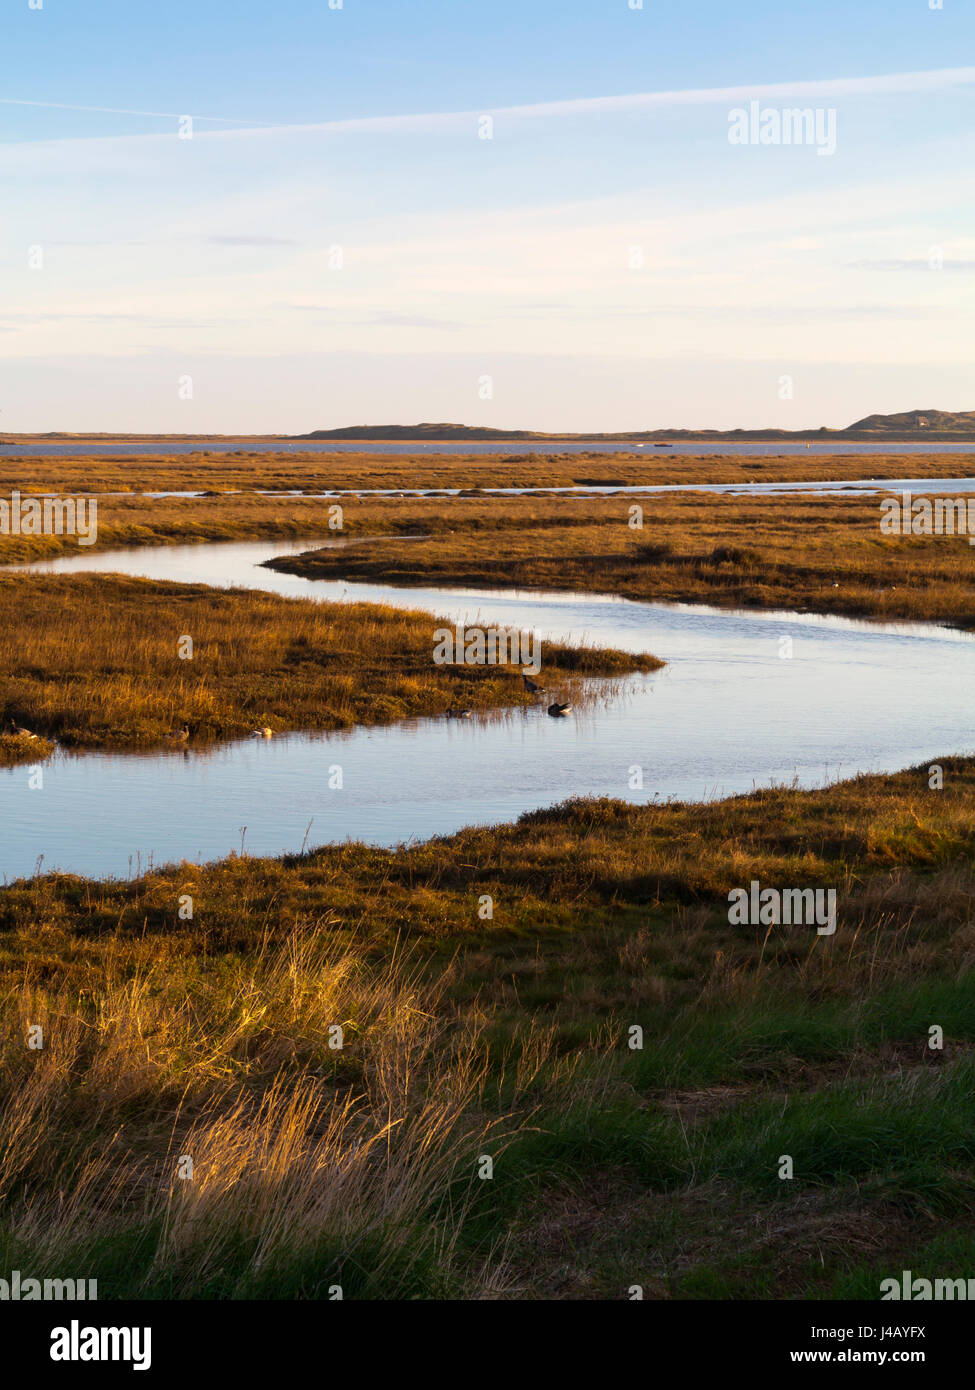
[(513, 437)]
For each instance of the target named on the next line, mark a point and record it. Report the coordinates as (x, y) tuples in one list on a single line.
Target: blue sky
[(337, 243)]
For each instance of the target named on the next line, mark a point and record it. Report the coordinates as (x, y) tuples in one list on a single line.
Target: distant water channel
[(726, 714), (61, 448), (853, 487)]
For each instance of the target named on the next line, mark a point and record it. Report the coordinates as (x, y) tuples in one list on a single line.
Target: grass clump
[(24, 748)]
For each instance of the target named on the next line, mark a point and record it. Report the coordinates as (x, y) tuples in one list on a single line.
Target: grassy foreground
[(209, 1037), (94, 661)]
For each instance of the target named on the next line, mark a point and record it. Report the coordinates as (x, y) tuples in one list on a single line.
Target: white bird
[(263, 733)]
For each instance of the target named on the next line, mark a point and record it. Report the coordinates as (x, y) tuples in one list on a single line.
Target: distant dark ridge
[(908, 425), (920, 422), (428, 431), (451, 432)]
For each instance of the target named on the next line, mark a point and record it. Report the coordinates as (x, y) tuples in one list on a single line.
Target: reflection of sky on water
[(727, 713)]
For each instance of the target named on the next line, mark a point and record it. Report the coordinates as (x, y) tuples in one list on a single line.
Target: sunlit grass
[(824, 554), (210, 1037), (96, 661)]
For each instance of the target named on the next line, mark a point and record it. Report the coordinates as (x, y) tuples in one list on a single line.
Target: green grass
[(506, 1038)]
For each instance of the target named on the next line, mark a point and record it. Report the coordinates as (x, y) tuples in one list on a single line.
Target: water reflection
[(727, 713)]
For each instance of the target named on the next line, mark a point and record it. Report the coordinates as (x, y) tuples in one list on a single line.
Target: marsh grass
[(462, 1038), (819, 554), (307, 1170), (249, 468), (94, 661), (209, 1037), (824, 554), (22, 748)]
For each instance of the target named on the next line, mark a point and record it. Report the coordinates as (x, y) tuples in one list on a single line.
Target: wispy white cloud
[(204, 256), (884, 84), (124, 111)]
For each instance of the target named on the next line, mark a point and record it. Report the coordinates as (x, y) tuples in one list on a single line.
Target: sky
[(233, 217)]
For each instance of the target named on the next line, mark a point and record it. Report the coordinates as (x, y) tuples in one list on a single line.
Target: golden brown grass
[(314, 1166), (252, 468), (822, 554), (825, 555), (95, 660), (22, 748), (551, 865), (299, 1156)]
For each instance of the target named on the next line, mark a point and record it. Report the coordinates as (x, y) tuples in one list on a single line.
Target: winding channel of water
[(727, 713)]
